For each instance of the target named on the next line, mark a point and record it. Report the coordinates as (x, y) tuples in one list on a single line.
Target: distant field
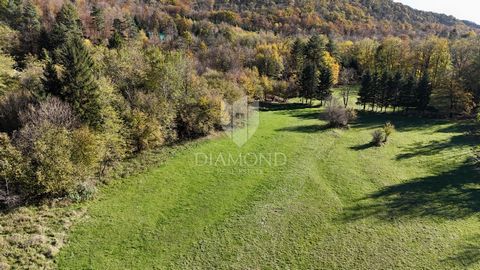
[(337, 202)]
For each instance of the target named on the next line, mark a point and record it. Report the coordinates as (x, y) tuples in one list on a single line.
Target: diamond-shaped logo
[(242, 120)]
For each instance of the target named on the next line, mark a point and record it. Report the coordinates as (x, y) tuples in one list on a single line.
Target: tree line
[(313, 68), (434, 75)]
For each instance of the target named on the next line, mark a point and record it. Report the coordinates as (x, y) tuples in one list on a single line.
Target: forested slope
[(354, 18)]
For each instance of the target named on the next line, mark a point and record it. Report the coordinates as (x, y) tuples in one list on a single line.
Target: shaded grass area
[(336, 203), (453, 194)]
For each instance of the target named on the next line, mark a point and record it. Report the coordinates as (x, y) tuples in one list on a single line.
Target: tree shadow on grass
[(452, 194), (268, 106), (469, 253), (465, 128), (307, 115), (462, 126), (437, 147), (370, 120), (305, 128), (362, 146)]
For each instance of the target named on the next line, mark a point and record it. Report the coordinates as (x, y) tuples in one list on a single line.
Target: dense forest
[(87, 84), (346, 18)]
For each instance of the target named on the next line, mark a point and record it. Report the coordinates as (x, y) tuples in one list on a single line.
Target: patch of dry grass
[(30, 237)]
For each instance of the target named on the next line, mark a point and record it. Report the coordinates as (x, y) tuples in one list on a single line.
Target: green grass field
[(337, 202)]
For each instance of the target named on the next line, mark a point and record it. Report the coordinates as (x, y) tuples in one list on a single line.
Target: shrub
[(10, 108), (84, 191), (52, 112), (113, 147), (8, 75), (113, 134), (377, 137), (86, 147), (53, 169), (12, 165), (249, 81), (76, 168), (59, 159), (338, 115), (216, 84), (162, 111), (225, 16), (280, 88), (30, 78), (223, 58), (198, 118), (388, 129), (145, 131)]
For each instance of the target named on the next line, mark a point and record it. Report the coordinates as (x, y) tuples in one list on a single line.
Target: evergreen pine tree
[(325, 82), (296, 59), (365, 90), (98, 21), (309, 81), (332, 47), (119, 26), (424, 90), (67, 25), (29, 28), (394, 85), (314, 50), (375, 90), (52, 84), (407, 98), (131, 27), (79, 86), (10, 12), (98, 18), (383, 91)]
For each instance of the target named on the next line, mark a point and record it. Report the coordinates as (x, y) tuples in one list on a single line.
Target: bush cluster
[(338, 115), (377, 137), (380, 136)]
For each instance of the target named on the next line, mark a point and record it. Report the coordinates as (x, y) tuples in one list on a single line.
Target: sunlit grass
[(337, 202)]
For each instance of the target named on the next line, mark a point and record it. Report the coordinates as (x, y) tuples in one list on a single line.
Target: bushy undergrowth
[(338, 115), (388, 129), (59, 147), (377, 137), (380, 136)]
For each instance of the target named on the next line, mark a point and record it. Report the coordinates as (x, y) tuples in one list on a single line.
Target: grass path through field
[(336, 204)]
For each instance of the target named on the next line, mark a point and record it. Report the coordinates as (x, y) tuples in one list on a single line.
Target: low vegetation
[(388, 129), (31, 237), (338, 115), (378, 137)]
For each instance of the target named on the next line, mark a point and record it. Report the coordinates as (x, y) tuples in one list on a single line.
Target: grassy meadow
[(331, 202)]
